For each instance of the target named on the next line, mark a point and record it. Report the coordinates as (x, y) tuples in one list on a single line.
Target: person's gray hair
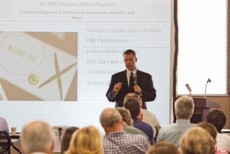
[(37, 136), (184, 107), (109, 117)]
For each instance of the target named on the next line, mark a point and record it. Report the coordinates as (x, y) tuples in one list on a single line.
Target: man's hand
[(137, 89), (117, 87)]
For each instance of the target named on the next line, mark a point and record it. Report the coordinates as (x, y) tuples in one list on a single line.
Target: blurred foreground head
[(37, 136)]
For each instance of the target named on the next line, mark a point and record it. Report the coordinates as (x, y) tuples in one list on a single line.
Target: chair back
[(4, 142)]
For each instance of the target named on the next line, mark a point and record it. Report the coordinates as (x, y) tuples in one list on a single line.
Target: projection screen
[(57, 57)]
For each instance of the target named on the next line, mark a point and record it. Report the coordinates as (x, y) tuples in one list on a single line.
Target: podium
[(202, 107)]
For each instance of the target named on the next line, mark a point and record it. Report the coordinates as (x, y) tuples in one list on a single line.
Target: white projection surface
[(57, 57)]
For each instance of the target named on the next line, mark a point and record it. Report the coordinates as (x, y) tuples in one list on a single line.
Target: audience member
[(117, 141), (147, 116), (127, 122), (163, 148), (196, 140), (66, 138), (3, 125), (218, 119), (133, 106), (37, 137), (172, 133), (210, 128), (86, 140)]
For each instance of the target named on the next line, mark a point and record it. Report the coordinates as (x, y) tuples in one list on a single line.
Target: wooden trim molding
[(228, 48)]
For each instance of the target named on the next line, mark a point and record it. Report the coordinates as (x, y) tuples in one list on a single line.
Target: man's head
[(184, 107), (111, 120), (133, 106), (210, 128), (217, 118), (130, 59), (196, 140), (37, 136), (125, 115), (132, 95)]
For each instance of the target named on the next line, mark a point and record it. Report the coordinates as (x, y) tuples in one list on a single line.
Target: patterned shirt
[(122, 142)]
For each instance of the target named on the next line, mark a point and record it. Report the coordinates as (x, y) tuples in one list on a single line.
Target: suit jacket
[(144, 80)]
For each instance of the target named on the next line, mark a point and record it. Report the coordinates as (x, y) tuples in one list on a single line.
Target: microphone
[(135, 79), (209, 80), (189, 89)]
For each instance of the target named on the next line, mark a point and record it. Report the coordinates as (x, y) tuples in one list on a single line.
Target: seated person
[(134, 108), (66, 139), (147, 116), (86, 140), (184, 107), (163, 148), (37, 137), (117, 141), (128, 123), (3, 125), (210, 128), (218, 119), (196, 140)]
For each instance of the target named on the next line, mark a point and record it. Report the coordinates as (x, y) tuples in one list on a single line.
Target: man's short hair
[(110, 117), (132, 95), (184, 107), (210, 128), (129, 51), (217, 118), (37, 136), (133, 106), (125, 115)]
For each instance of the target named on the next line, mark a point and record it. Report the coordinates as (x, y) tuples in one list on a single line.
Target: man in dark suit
[(131, 80)]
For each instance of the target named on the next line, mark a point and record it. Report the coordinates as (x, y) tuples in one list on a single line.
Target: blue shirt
[(173, 132), (146, 128)]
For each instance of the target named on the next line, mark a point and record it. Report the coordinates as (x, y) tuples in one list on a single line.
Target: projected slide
[(57, 57), (38, 66)]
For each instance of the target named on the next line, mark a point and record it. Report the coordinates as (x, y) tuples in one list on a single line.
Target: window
[(202, 46)]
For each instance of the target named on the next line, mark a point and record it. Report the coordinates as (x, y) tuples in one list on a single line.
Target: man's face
[(130, 61)]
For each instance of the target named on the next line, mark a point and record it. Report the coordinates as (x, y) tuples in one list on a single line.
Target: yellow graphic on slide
[(31, 61), (33, 79)]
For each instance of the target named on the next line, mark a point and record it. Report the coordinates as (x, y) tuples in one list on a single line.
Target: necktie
[(131, 82)]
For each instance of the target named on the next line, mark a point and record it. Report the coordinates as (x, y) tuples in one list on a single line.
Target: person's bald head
[(37, 136), (110, 117)]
